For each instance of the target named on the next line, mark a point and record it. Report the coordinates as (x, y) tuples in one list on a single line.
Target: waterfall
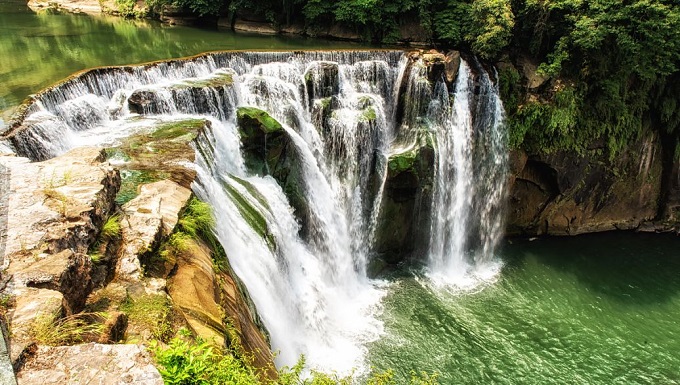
[(340, 112), (469, 191)]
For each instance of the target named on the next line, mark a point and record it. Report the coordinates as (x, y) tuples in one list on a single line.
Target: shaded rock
[(6, 369), (88, 364), (568, 194), (264, 28), (268, 150), (451, 65), (212, 95), (114, 328), (175, 15), (322, 81), (57, 204), (148, 218), (66, 272), (402, 222)]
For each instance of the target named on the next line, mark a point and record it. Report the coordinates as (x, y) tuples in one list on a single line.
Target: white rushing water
[(339, 111), (470, 178)]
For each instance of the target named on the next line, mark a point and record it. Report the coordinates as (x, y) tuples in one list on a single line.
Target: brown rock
[(66, 272), (114, 328)]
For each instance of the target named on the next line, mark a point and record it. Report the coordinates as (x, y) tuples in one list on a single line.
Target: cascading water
[(340, 113), (470, 181)]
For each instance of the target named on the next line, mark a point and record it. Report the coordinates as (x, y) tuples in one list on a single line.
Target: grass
[(151, 312), (51, 329), (184, 361), (111, 228)]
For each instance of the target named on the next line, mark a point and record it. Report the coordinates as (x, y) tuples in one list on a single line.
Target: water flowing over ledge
[(381, 158)]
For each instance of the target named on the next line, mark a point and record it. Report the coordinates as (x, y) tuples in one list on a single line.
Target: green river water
[(597, 309), (37, 50)]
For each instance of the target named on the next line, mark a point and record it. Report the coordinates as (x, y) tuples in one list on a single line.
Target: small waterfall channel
[(356, 122)]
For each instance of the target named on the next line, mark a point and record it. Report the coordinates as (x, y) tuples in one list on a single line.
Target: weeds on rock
[(50, 329)]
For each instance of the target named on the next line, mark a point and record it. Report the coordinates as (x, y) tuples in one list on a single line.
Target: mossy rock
[(268, 150), (249, 211), (217, 79), (156, 155), (322, 81), (403, 221)]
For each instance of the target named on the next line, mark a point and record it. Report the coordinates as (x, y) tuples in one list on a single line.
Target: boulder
[(89, 364), (148, 219)]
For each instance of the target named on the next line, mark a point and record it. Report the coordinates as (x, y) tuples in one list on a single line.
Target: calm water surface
[(37, 50)]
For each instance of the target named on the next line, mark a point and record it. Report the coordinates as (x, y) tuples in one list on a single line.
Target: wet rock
[(88, 364), (322, 81), (268, 150), (402, 222), (165, 152), (212, 95), (254, 27), (148, 218)]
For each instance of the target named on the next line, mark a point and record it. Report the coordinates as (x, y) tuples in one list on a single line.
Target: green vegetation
[(150, 312), (613, 65), (184, 361), (251, 119), (51, 329), (111, 228)]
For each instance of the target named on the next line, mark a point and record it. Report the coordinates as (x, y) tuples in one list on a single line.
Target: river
[(593, 309)]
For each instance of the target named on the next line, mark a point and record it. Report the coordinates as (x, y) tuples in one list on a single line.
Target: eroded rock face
[(268, 150), (408, 194), (90, 364), (567, 194), (148, 218)]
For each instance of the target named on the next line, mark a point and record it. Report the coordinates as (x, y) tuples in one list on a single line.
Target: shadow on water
[(625, 266)]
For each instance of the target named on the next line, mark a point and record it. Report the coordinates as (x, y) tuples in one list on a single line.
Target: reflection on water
[(37, 50)]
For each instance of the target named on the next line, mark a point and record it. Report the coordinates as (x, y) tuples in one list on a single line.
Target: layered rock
[(148, 219)]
